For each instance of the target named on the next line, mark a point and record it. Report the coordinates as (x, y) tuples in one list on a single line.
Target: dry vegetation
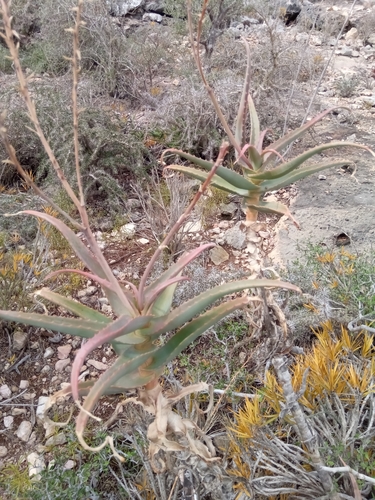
[(292, 419)]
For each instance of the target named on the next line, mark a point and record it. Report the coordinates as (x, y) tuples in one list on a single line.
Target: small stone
[(36, 464), (242, 357), (48, 353), (5, 391), (193, 227), (103, 300), (251, 248), (224, 224), (127, 230), (56, 440), (18, 411), (235, 237), (40, 408), (264, 234), (63, 351), (91, 290), (29, 396), (228, 210), (69, 465), (3, 451), (8, 422), (143, 241), (218, 255), (19, 340), (322, 177), (98, 365), (61, 364), (45, 369), (153, 17), (106, 309), (352, 34), (24, 384), (24, 431)]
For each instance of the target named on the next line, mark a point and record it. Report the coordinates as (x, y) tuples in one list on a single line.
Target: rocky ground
[(335, 204)]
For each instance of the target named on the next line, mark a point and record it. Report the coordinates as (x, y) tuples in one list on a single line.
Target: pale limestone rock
[(98, 365), (61, 364), (24, 431), (63, 351), (218, 255)]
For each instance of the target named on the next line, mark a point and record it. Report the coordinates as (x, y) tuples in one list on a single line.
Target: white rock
[(143, 241), (352, 34), (24, 384), (61, 364), (18, 411), (264, 234), (63, 351), (24, 431), (57, 439), (48, 353), (193, 227), (19, 340), (28, 396), (5, 391), (40, 408), (70, 464), (151, 16), (8, 421), (36, 464), (127, 230), (3, 451), (45, 369), (106, 309), (98, 365)]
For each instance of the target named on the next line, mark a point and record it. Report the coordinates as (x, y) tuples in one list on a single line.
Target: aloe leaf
[(259, 145), (284, 141), (103, 282), (123, 327), (187, 311), (241, 115), (254, 122), (193, 330), (301, 173), (216, 180), (255, 158), (226, 174), (73, 306), (176, 268), (82, 252), (272, 207), (162, 298), (71, 326), (291, 165), (85, 255)]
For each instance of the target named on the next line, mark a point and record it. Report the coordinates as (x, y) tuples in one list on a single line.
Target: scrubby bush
[(112, 147)]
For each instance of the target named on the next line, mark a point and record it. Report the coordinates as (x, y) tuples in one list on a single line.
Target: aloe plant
[(259, 174), (142, 315)]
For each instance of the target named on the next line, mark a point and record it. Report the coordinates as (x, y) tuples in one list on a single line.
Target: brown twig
[(9, 36)]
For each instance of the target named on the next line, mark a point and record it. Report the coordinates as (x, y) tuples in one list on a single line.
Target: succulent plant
[(260, 174)]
